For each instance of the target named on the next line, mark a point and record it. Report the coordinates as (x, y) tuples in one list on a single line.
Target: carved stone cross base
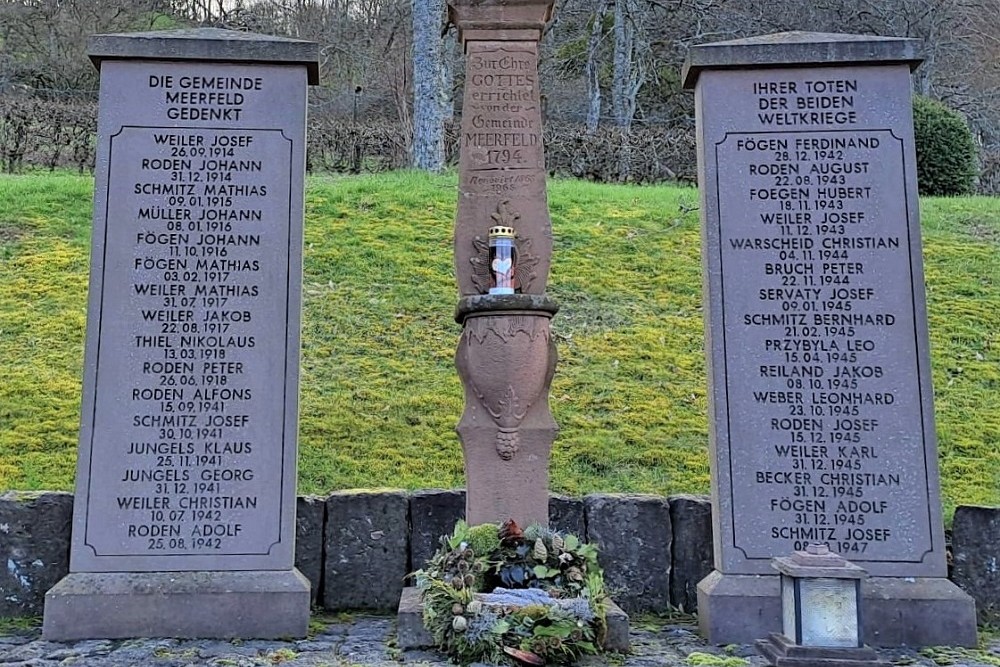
[(506, 359)]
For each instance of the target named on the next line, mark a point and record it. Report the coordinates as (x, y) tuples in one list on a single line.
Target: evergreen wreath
[(494, 593)]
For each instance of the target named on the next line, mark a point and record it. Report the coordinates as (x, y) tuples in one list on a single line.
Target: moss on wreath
[(499, 594)]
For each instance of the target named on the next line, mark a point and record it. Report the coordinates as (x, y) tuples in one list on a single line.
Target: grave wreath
[(494, 592)]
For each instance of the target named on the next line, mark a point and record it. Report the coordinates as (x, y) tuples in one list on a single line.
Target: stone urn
[(506, 359)]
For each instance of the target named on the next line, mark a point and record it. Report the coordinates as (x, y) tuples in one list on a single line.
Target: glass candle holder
[(503, 260)]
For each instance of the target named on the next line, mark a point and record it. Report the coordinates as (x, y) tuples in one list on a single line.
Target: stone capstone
[(787, 48), (367, 550), (633, 537), (199, 44)]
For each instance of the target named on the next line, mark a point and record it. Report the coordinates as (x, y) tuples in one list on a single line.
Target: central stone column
[(503, 246)]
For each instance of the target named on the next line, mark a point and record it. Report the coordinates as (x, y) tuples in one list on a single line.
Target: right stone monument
[(821, 407)]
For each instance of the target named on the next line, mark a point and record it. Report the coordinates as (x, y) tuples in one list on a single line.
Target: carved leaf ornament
[(502, 348)]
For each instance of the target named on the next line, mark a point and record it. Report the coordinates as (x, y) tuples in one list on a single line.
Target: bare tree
[(50, 37), (593, 65), (453, 58), (428, 85), (629, 70), (629, 73), (619, 57)]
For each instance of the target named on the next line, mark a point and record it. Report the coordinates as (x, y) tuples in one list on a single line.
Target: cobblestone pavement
[(369, 641)]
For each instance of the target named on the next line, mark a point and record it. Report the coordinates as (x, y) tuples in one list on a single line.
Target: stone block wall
[(34, 548), (357, 547), (975, 550)]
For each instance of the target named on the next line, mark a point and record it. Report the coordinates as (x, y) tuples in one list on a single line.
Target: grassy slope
[(380, 396)]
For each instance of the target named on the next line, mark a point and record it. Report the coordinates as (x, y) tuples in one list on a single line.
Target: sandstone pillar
[(506, 357)]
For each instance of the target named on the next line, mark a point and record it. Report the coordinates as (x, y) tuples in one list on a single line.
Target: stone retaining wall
[(356, 547)]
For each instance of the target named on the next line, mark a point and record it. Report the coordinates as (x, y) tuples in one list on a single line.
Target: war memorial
[(821, 414)]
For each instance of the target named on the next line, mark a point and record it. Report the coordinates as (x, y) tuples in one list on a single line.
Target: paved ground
[(370, 641)]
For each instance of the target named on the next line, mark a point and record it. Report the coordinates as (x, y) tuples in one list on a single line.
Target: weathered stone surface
[(975, 547), (898, 611), (220, 494), (738, 609), (206, 44), (503, 249), (834, 443), (433, 513), (410, 630), (189, 414), (501, 175), (367, 550), (617, 638), (917, 611), (507, 450), (633, 535), (691, 522), (478, 304), (568, 515), (34, 546), (310, 517), (819, 364)]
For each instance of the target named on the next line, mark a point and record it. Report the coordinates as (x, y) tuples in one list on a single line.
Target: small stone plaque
[(823, 425), (188, 438)]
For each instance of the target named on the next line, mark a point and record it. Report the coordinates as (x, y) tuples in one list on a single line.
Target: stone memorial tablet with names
[(187, 457), (823, 417), (820, 405)]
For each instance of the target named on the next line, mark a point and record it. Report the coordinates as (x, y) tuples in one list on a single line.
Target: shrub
[(946, 152), (36, 132)]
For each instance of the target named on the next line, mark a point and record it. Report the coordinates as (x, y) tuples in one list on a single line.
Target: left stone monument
[(184, 516)]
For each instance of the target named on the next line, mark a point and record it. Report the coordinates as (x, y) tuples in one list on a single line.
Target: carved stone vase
[(506, 359)]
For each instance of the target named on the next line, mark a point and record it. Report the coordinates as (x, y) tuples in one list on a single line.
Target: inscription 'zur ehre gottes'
[(819, 325), (503, 89), (204, 265)]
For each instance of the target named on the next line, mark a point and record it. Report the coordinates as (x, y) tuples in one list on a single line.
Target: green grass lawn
[(380, 396)]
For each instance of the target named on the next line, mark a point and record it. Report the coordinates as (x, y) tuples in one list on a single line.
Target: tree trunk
[(451, 54), (428, 86), (627, 77), (593, 66)]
